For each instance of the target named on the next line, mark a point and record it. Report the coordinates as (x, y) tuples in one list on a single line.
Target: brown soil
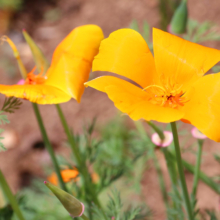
[(20, 162)]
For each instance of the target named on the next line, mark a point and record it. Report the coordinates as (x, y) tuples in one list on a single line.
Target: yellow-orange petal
[(69, 174), (82, 42), (203, 109), (182, 61), (132, 100), (72, 60), (126, 53), (53, 179), (41, 94)]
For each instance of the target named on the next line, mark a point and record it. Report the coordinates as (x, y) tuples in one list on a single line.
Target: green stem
[(161, 179), (173, 178), (84, 217), (10, 196), (69, 135), (181, 173), (202, 176), (48, 146), (81, 163), (156, 129), (197, 169)]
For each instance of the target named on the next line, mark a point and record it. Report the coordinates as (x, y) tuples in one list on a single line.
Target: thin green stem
[(69, 136), (173, 178), (202, 176), (8, 193), (197, 169), (161, 179), (181, 172), (81, 163), (84, 217), (156, 129), (48, 146)]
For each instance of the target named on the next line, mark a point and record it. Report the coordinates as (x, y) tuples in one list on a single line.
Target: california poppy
[(167, 87), (67, 176), (70, 174), (70, 68)]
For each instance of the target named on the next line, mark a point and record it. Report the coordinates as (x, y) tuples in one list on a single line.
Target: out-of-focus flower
[(168, 87), (95, 177), (70, 68), (197, 134), (67, 176), (70, 203), (168, 138)]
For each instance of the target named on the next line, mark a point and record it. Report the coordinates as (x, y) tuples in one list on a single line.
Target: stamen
[(168, 95), (16, 54), (154, 86)]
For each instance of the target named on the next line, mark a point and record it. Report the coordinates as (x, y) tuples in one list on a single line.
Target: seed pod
[(180, 17), (70, 203)]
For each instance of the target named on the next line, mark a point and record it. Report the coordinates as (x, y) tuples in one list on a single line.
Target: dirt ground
[(109, 15)]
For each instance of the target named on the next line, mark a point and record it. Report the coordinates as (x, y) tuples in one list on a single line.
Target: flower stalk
[(181, 172), (10, 196), (81, 164), (197, 169), (156, 129), (48, 146), (161, 180)]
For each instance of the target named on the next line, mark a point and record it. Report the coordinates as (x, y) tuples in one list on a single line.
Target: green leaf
[(3, 118), (134, 26), (39, 58), (180, 17), (11, 104)]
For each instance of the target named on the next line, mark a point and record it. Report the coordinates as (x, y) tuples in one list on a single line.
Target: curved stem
[(197, 169), (157, 130), (181, 173), (10, 196), (48, 146)]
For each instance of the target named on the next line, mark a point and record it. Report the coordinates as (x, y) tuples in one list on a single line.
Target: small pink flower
[(167, 140), (197, 134), (21, 82)]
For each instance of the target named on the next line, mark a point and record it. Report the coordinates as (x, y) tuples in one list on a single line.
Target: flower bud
[(168, 138), (70, 203), (197, 134), (179, 19)]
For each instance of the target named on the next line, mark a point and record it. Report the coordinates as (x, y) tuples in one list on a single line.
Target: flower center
[(168, 95), (33, 79)]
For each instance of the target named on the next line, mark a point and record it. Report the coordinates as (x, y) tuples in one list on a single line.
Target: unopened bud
[(197, 134), (70, 203), (168, 138), (179, 20)]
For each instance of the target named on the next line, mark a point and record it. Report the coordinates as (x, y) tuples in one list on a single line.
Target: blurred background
[(48, 22)]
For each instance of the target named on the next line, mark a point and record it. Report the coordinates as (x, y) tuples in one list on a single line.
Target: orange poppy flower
[(167, 87), (67, 176), (70, 68)]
